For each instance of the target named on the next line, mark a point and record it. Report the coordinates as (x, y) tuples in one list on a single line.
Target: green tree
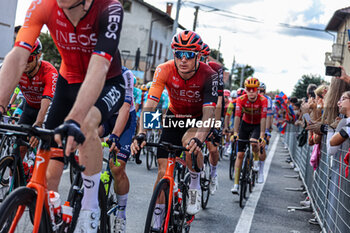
[(299, 90), (50, 52), (248, 72), (214, 54)]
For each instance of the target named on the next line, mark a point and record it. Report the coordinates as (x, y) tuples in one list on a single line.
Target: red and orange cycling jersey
[(252, 112), (186, 97), (42, 85), (96, 33)]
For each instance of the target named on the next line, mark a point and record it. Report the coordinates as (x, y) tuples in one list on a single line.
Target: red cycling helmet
[(227, 93), (187, 40), (240, 92), (206, 50), (37, 47)]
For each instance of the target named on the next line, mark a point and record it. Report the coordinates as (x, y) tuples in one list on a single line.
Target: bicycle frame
[(38, 183), (169, 175)]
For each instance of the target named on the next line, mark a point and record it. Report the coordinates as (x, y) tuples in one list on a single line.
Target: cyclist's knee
[(240, 155), (91, 122), (53, 174), (161, 172)]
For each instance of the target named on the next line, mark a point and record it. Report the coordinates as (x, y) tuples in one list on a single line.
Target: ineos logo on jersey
[(73, 38), (111, 98), (113, 21), (187, 93)]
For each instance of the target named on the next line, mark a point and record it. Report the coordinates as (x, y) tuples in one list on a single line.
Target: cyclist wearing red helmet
[(252, 107), (193, 92), (37, 83)]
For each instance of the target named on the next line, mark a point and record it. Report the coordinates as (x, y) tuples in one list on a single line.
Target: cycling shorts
[(66, 94), (29, 115), (246, 132), (172, 135), (125, 137)]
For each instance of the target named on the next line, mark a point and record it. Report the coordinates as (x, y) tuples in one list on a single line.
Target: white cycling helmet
[(233, 94)]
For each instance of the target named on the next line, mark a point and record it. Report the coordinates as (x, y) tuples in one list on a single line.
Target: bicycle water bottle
[(55, 200), (67, 212)]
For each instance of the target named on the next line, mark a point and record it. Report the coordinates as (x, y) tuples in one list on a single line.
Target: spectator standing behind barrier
[(330, 116), (344, 107)]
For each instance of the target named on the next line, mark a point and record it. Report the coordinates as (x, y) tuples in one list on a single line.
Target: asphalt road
[(223, 212)]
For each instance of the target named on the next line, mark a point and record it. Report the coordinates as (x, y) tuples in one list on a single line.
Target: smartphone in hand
[(333, 71)]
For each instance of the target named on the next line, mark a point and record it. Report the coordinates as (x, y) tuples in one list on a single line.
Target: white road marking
[(246, 218)]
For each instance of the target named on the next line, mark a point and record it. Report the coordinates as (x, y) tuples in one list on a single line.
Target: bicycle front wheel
[(232, 164), (9, 177), (27, 197), (205, 180), (158, 208)]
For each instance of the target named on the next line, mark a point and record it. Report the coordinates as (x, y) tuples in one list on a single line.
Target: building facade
[(339, 23), (146, 36), (7, 20)]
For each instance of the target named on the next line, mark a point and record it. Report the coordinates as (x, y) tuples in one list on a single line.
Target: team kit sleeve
[(158, 84), (221, 81), (264, 108), (210, 90), (129, 81), (238, 111), (110, 25), (36, 17), (50, 83)]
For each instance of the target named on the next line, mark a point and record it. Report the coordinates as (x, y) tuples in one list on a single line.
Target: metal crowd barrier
[(327, 186)]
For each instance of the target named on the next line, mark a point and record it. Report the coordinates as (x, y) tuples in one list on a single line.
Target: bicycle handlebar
[(167, 146), (43, 134)]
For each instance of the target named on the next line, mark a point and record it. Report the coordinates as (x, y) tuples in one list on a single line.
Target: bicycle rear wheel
[(155, 221), (9, 177), (232, 162), (27, 197), (205, 180)]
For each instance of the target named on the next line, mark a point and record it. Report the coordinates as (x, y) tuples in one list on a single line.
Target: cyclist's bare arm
[(268, 122), (262, 127), (236, 124), (208, 112), (90, 89), (227, 120), (45, 103), (122, 119), (11, 71)]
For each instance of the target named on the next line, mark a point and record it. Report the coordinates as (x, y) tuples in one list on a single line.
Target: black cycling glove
[(71, 128)]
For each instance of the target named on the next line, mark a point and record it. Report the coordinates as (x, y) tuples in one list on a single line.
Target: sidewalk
[(271, 214)]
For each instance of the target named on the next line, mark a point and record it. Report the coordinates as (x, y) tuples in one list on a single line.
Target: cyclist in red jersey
[(253, 107), (213, 150), (37, 83), (193, 91), (89, 86)]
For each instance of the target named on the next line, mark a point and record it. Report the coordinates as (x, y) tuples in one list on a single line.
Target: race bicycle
[(248, 176), (173, 194)]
